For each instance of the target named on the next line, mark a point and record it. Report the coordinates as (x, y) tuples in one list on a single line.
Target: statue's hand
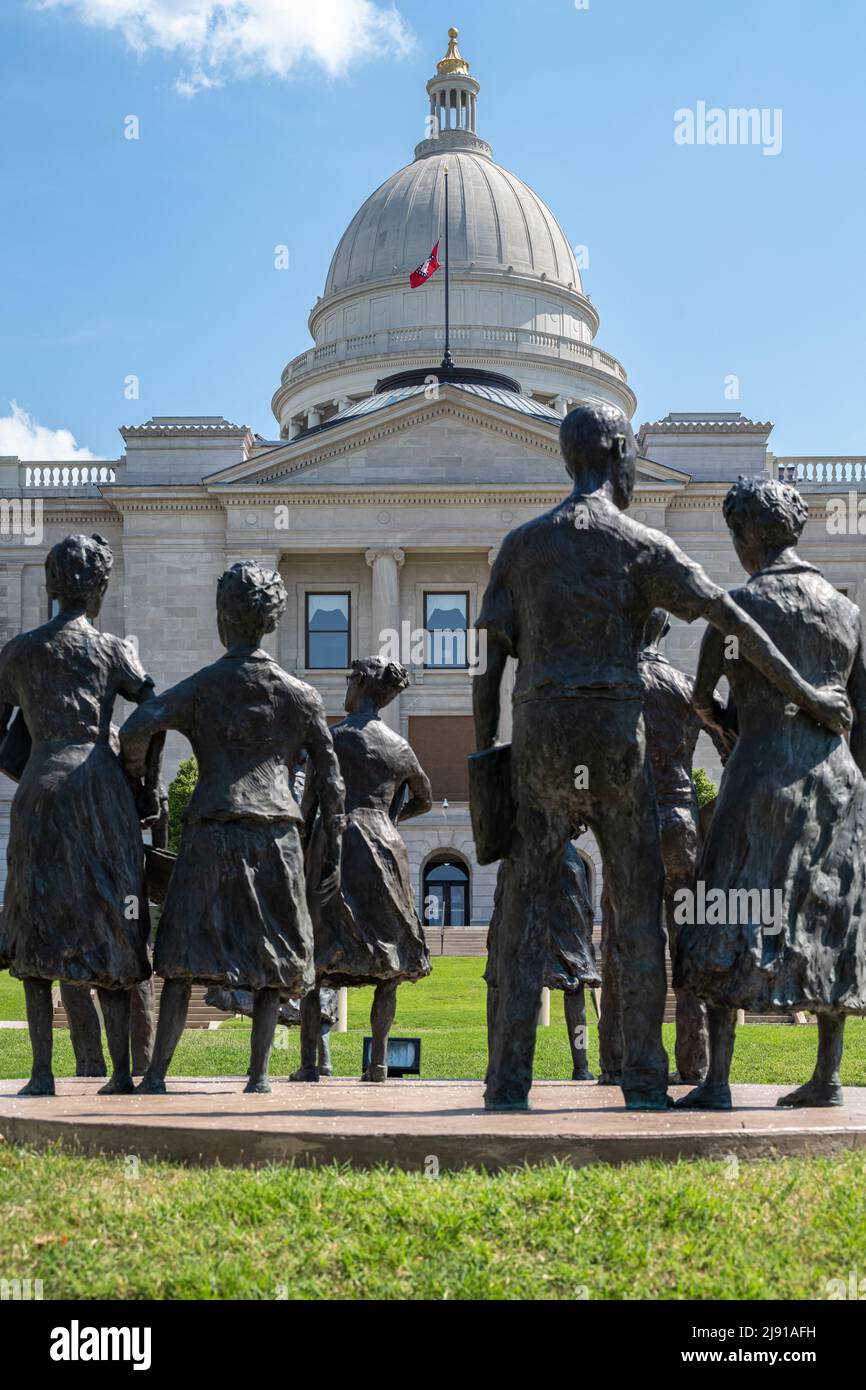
[(329, 879), (147, 804), (832, 709)]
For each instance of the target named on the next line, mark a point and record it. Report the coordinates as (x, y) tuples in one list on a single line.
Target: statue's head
[(374, 679), (764, 518), (657, 625), (250, 602), (599, 446), (77, 571)]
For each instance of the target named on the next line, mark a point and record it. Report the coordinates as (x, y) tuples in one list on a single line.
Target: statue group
[(276, 897)]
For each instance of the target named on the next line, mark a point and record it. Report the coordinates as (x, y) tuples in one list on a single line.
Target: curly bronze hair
[(77, 568), (770, 512), (251, 598), (382, 679)]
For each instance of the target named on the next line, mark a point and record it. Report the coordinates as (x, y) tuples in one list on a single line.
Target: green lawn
[(447, 1011), (92, 1229), (102, 1229)]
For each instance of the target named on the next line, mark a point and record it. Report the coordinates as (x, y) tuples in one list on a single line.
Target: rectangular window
[(446, 617), (328, 623)]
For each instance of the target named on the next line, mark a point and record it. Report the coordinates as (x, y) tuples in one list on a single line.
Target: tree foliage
[(179, 794), (705, 788)]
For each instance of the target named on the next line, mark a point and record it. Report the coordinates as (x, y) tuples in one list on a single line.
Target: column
[(294, 428), (385, 616), (314, 418)]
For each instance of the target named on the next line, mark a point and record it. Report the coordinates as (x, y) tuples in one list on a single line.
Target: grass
[(92, 1229), (103, 1228)]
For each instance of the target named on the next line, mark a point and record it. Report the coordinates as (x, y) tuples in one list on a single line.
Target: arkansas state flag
[(425, 269)]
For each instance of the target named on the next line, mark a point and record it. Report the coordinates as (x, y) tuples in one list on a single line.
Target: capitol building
[(388, 485)]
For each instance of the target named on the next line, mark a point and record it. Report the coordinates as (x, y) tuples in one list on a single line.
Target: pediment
[(451, 441)]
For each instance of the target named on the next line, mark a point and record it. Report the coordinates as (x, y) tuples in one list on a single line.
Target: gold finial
[(453, 63)]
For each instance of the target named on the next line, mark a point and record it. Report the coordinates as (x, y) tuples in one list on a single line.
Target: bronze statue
[(242, 1001), (570, 963), (76, 908), (786, 849), (85, 1032), (569, 596), (369, 933), (672, 729), (235, 913)]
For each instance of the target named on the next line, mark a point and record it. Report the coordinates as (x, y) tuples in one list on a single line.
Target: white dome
[(496, 224), (516, 301)]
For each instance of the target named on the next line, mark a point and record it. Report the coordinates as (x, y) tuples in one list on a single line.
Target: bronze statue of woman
[(787, 843), (235, 913), (570, 964), (75, 907), (369, 933)]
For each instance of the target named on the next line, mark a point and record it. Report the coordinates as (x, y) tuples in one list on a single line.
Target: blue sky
[(154, 257)]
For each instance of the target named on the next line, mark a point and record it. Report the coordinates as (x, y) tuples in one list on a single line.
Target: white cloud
[(22, 437), (222, 39)]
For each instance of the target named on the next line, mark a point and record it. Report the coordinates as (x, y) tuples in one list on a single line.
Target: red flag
[(425, 269)]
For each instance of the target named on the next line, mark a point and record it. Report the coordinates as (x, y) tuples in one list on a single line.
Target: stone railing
[(822, 472), (474, 338), (62, 476)]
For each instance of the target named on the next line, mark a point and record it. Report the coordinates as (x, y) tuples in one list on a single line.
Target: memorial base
[(415, 1125)]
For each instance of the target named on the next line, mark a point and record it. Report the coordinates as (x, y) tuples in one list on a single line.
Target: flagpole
[(447, 360)]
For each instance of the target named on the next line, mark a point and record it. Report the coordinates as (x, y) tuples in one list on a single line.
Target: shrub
[(706, 790), (179, 794)]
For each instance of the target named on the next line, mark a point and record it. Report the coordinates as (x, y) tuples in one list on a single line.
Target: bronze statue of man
[(672, 729), (569, 596)]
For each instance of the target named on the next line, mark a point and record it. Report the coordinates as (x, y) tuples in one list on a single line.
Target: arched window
[(446, 892)]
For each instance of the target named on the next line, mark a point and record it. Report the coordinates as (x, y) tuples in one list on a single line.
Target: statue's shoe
[(91, 1069), (815, 1094), (39, 1085), (117, 1086), (149, 1086), (377, 1074), (305, 1074), (262, 1087), (582, 1074), (647, 1100), (610, 1078), (707, 1096)]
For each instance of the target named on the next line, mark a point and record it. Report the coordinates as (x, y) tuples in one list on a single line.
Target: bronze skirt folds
[(369, 933), (75, 905), (570, 962), (236, 912)]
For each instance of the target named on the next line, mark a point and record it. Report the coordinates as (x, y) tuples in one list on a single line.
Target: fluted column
[(386, 565)]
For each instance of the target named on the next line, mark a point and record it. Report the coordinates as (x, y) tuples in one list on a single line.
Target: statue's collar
[(801, 567)]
